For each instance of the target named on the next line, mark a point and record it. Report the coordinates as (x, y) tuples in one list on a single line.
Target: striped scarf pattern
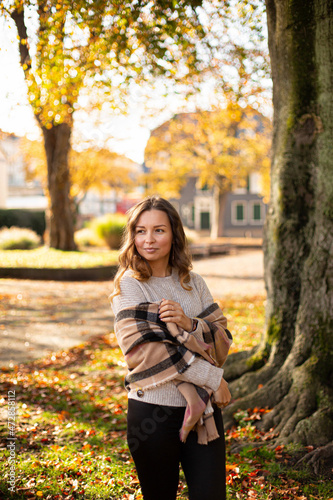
[(157, 352)]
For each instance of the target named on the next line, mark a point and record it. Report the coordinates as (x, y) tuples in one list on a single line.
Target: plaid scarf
[(157, 352)]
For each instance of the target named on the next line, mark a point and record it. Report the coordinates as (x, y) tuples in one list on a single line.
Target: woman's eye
[(139, 231)]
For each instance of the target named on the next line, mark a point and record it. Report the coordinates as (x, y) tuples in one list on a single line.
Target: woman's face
[(153, 237)]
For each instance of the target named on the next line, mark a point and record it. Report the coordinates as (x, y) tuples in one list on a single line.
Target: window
[(238, 213), (256, 212), (204, 220)]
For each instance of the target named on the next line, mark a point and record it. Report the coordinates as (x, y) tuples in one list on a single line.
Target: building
[(15, 191), (244, 210)]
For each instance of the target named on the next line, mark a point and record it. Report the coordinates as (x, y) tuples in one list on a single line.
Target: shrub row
[(18, 238), (107, 229), (31, 219)]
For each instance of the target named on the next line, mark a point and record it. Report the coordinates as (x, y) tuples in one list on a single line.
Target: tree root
[(239, 363), (297, 405), (302, 406), (319, 460), (256, 389), (253, 382), (305, 414)]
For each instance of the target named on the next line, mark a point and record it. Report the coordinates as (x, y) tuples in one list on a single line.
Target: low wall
[(82, 274)]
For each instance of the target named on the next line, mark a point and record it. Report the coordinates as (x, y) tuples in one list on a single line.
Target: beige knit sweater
[(133, 292)]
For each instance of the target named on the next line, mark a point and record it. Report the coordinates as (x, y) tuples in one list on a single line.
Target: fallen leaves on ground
[(70, 431), (246, 318)]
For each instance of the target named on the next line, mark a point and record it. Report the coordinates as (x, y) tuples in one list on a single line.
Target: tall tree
[(221, 147), (65, 46), (296, 355)]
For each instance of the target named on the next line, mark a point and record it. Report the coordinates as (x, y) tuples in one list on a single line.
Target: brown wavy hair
[(129, 258)]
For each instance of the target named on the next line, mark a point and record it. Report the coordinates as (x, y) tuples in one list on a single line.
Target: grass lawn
[(70, 430), (246, 317), (44, 257)]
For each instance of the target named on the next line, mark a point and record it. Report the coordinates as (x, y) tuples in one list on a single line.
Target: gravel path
[(38, 317)]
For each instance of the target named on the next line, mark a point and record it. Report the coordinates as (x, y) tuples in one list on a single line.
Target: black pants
[(153, 439)]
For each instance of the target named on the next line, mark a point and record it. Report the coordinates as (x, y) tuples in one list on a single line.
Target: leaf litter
[(71, 433)]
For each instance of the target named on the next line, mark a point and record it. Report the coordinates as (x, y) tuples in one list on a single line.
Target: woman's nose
[(150, 237)]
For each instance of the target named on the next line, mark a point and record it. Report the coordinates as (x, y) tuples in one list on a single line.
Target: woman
[(175, 340)]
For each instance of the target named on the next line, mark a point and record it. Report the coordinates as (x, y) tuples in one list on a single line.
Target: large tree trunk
[(297, 351), (60, 219)]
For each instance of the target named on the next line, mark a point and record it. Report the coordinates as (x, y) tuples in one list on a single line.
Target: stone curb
[(208, 249), (81, 274)]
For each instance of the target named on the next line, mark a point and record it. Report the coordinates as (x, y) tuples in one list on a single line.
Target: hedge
[(32, 219)]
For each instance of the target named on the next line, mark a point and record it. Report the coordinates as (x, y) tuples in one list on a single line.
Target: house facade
[(15, 191), (243, 215)]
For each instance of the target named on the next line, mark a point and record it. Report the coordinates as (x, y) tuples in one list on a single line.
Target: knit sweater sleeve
[(207, 300), (203, 374), (131, 294)]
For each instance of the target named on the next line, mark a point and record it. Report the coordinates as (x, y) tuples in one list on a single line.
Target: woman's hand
[(222, 396), (172, 312)]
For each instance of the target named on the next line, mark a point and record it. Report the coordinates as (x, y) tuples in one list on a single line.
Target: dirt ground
[(39, 317)]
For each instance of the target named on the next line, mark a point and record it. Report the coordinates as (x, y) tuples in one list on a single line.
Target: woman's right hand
[(222, 396)]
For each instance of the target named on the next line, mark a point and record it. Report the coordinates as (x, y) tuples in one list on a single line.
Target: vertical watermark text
[(11, 445)]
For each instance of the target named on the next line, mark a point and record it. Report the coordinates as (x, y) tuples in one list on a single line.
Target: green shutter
[(256, 211), (240, 212), (205, 220)]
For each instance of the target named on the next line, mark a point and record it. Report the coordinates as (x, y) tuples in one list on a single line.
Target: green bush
[(86, 237), (31, 219), (190, 236), (110, 228), (17, 238)]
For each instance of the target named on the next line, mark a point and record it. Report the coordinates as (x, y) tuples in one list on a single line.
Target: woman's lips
[(150, 250)]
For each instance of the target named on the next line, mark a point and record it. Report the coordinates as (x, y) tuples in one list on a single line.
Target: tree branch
[(18, 17)]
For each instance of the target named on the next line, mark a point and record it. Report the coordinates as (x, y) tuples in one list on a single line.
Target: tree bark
[(60, 219), (220, 191), (297, 378), (219, 199)]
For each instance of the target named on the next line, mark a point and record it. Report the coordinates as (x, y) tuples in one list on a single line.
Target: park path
[(38, 317), (240, 273)]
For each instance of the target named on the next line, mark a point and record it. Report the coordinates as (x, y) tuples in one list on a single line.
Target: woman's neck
[(161, 272)]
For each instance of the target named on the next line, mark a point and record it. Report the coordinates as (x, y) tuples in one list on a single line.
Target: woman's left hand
[(222, 396), (172, 312)]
